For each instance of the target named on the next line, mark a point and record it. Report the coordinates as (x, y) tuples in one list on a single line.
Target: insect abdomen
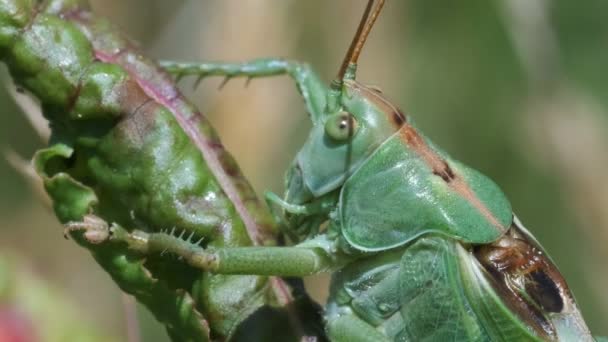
[(531, 286)]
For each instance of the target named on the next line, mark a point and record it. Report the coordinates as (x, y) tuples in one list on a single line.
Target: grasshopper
[(420, 245)]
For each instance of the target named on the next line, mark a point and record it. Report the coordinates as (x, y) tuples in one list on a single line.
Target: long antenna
[(365, 26)]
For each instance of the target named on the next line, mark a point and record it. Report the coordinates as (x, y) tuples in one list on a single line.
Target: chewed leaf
[(131, 150), (71, 199)]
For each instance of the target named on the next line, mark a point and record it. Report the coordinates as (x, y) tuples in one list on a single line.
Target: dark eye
[(341, 126)]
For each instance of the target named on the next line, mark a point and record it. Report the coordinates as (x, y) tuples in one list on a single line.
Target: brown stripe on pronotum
[(445, 173), (438, 166), (394, 114), (442, 169), (398, 118)]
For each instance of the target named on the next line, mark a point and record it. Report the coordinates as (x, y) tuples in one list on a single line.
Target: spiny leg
[(277, 261), (312, 89)]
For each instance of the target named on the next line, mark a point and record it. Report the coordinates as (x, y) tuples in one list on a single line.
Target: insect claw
[(247, 81), (95, 229)]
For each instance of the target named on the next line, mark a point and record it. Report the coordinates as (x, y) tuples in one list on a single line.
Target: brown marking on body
[(441, 168), (394, 115), (437, 164), (446, 173), (398, 119), (526, 280)]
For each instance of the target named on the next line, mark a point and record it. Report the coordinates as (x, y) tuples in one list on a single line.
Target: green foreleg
[(277, 261), (309, 84)]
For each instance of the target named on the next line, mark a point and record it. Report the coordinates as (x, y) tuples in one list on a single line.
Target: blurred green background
[(515, 88)]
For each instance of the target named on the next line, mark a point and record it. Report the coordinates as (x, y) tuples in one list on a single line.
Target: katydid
[(420, 245)]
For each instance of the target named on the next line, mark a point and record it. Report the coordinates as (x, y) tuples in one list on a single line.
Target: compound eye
[(341, 126)]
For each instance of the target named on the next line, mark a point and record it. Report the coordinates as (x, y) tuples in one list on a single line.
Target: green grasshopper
[(421, 247)]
